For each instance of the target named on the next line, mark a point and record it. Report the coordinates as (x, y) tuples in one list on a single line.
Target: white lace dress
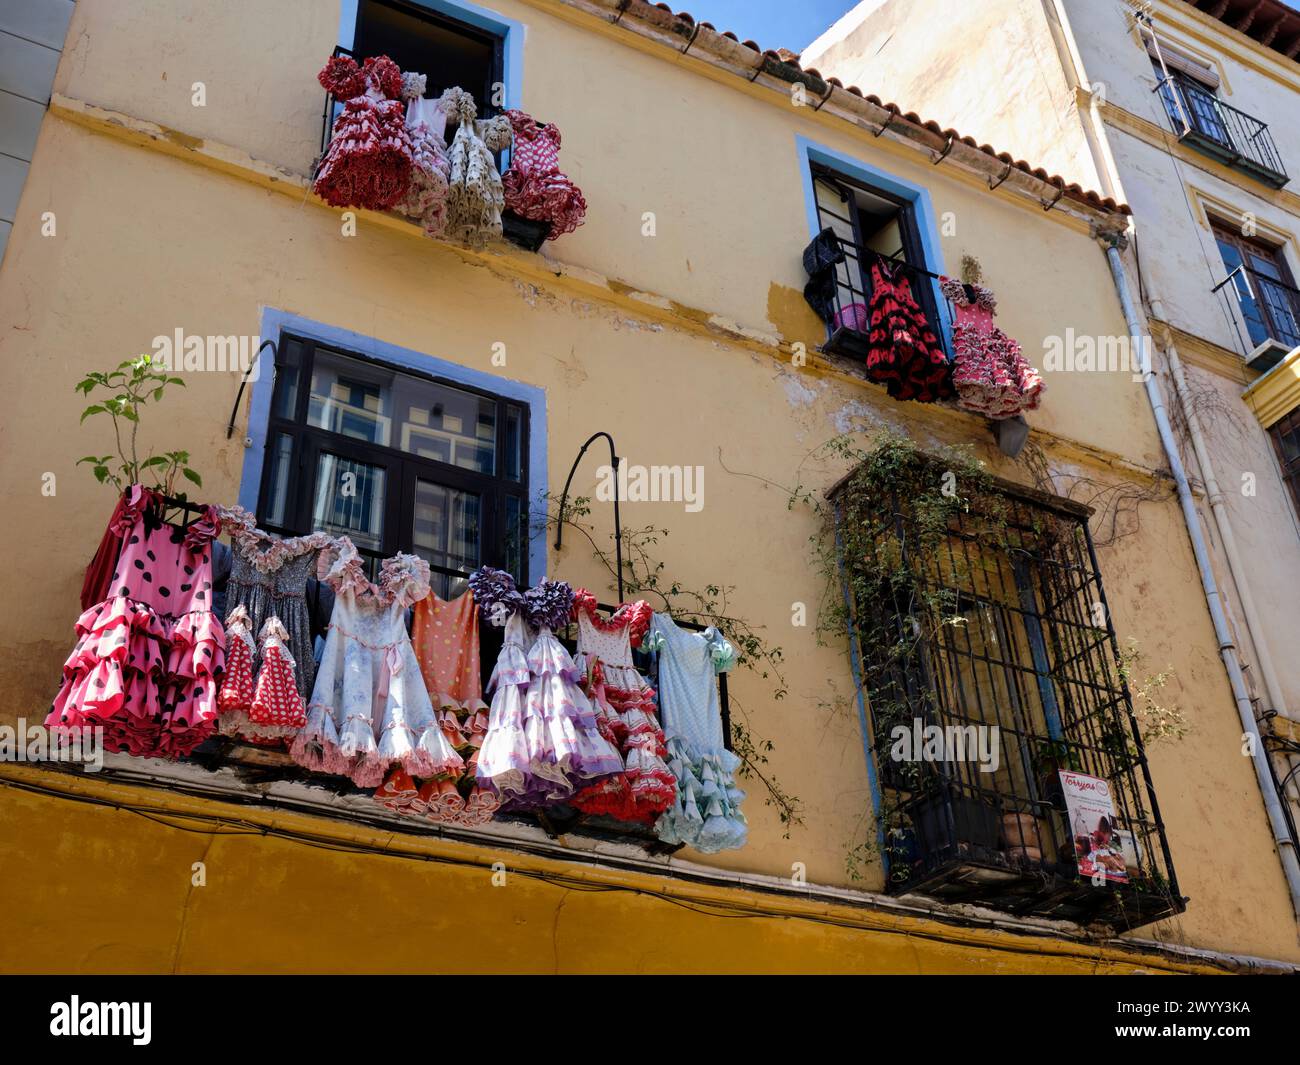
[(369, 710)]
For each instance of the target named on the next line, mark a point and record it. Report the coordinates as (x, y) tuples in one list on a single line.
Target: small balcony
[(1213, 128), (1265, 313)]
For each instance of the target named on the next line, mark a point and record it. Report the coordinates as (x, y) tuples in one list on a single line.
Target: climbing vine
[(646, 577)]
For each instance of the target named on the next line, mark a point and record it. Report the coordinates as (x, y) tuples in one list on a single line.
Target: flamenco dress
[(148, 657), (705, 813), (543, 743), (369, 711), (625, 705)]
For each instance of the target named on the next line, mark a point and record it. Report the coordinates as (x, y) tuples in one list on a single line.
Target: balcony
[(986, 625), (1213, 128), (1265, 313)]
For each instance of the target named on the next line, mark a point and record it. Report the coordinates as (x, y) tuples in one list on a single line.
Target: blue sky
[(772, 23), (792, 24)]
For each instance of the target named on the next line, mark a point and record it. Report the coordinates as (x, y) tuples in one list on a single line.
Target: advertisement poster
[(1097, 845)]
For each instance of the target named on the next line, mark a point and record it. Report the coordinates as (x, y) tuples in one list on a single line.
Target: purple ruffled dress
[(542, 742)]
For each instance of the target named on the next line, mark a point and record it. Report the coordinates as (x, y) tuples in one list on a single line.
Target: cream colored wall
[(989, 70), (148, 243), (1255, 79)]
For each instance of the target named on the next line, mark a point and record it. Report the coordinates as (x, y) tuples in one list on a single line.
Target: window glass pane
[(513, 459), (351, 398), (349, 499), (446, 425), (285, 404), (515, 537), (446, 531), (280, 456)]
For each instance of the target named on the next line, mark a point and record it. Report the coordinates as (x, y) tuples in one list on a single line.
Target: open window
[(447, 51), (867, 223), (1265, 294), (1190, 93)]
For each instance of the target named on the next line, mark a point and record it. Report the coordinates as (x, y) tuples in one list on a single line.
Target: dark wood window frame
[(1268, 309), (402, 469), (496, 75), (1288, 426)]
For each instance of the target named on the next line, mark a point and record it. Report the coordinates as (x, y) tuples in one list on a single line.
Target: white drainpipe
[(1286, 847), (1222, 521)]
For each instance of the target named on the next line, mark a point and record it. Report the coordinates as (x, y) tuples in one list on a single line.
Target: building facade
[(169, 207)]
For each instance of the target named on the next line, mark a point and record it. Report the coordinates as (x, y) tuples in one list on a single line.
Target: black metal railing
[(1268, 308), (1001, 634), (1221, 131), (848, 324)]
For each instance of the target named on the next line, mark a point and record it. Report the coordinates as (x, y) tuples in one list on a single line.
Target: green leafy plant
[(1156, 720), (123, 394)]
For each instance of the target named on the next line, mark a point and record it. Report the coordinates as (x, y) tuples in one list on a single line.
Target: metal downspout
[(1286, 847)]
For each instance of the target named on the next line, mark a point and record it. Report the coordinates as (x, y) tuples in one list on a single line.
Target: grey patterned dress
[(269, 577)]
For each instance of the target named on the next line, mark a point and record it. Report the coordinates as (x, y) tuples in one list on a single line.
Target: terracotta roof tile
[(784, 57)]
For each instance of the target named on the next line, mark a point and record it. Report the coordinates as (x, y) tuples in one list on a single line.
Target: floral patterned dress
[(370, 711), (534, 186), (991, 375), (148, 657), (625, 708)]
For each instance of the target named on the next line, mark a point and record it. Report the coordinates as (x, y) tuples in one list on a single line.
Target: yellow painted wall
[(147, 243)]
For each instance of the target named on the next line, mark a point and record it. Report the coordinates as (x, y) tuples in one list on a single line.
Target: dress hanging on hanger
[(991, 375), (149, 656), (445, 636), (904, 354), (426, 121), (369, 709), (534, 186), (706, 812), (476, 197), (543, 743), (625, 706), (368, 161)]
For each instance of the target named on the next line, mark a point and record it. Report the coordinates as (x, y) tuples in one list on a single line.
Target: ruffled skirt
[(705, 813), (543, 742), (149, 680), (367, 718)]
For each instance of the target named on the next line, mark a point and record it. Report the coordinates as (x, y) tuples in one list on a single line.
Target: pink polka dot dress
[(149, 657)]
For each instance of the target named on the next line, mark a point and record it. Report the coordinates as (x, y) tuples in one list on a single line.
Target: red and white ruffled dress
[(535, 187), (266, 708), (990, 374), (149, 657), (369, 711), (369, 160), (625, 713)]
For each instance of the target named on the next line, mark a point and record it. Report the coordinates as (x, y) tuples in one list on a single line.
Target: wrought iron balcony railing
[(996, 629), (1269, 310), (1220, 131)]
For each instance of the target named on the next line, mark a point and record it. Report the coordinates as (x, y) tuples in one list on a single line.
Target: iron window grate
[(999, 619)]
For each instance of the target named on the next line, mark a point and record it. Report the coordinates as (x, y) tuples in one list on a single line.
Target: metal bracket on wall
[(618, 524), (1005, 174), (946, 149), (275, 354)]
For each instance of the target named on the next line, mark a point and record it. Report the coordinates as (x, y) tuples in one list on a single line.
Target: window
[(987, 621), (397, 462), (1286, 439), (448, 52), (1205, 122), (1265, 291), (868, 222)]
